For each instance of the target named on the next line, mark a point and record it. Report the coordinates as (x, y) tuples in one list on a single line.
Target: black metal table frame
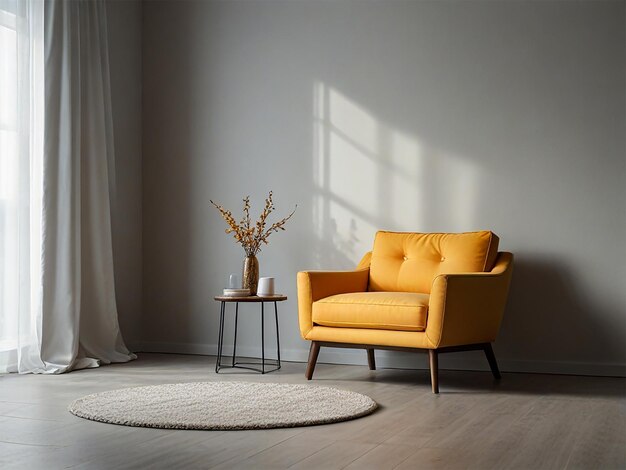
[(246, 365)]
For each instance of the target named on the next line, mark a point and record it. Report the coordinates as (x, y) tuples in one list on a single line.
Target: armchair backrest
[(408, 262)]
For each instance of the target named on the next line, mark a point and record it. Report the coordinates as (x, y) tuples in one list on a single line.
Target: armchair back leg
[(492, 360), (313, 353), (434, 369), (371, 360)]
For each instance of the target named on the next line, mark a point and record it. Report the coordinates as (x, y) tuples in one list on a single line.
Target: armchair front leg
[(433, 359), (313, 353)]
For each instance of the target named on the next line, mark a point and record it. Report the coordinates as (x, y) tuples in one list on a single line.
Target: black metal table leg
[(262, 338), (235, 342), (277, 334), (272, 363), (220, 341)]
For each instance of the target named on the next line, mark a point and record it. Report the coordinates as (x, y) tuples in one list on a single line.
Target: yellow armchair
[(413, 291)]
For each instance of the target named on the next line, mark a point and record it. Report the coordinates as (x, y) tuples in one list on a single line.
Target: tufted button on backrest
[(408, 262)]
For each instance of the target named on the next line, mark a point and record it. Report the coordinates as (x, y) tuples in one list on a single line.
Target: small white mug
[(265, 287)]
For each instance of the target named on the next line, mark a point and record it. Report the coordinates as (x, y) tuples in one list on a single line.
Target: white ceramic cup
[(265, 287)]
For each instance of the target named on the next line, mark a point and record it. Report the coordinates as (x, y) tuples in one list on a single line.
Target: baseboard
[(395, 360)]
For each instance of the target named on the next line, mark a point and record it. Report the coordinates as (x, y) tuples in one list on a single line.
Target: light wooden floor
[(526, 421)]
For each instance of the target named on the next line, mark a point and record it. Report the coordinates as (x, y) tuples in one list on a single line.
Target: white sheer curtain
[(21, 159), (71, 317)]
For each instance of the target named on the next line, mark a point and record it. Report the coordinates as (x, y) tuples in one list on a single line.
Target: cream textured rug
[(223, 405)]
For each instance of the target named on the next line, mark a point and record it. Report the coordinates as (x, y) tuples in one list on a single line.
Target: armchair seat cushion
[(401, 311)]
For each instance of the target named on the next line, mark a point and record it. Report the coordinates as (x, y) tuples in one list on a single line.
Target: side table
[(223, 299)]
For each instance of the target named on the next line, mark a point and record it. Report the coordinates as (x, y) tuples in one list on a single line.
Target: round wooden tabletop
[(251, 298)]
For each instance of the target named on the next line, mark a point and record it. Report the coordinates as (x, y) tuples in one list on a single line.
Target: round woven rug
[(223, 405)]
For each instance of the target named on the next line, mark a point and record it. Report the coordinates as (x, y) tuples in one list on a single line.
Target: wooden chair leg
[(492, 360), (434, 369), (371, 360), (313, 353)]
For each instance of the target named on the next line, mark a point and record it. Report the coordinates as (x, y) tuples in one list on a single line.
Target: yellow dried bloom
[(252, 237)]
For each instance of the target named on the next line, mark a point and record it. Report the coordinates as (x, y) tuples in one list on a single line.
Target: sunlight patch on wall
[(457, 181), (351, 174), (352, 121), (368, 176), (406, 194), (345, 171)]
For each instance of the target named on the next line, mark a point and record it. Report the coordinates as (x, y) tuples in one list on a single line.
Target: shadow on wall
[(368, 177), (546, 306), (168, 272)]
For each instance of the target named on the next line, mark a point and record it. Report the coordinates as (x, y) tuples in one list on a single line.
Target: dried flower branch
[(251, 238)]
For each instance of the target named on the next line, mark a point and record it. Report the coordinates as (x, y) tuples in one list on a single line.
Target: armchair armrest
[(467, 308), (315, 285)]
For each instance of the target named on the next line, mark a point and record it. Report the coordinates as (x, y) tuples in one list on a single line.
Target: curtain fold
[(63, 314), (79, 315)]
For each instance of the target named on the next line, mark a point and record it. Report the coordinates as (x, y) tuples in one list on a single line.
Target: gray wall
[(124, 28), (417, 116)]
